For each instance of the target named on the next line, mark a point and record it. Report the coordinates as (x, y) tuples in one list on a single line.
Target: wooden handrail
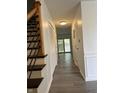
[(34, 10), (31, 13)]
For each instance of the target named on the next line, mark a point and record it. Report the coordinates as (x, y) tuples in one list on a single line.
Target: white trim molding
[(90, 66)]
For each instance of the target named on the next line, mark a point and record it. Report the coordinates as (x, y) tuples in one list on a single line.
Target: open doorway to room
[(64, 45)]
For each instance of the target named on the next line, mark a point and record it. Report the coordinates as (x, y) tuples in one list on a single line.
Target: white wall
[(89, 22), (77, 42), (85, 41), (50, 48)]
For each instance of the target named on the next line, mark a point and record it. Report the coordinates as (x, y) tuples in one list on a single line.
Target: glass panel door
[(67, 45), (60, 45), (64, 45)]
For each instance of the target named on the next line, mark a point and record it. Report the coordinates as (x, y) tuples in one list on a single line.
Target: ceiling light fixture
[(63, 23)]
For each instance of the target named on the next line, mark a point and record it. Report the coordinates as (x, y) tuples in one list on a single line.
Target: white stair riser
[(35, 74), (38, 61), (31, 90)]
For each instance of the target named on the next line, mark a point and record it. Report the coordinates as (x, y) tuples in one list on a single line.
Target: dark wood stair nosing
[(33, 41), (33, 21), (33, 48), (34, 17), (34, 82), (36, 67), (30, 24), (32, 30), (32, 27), (33, 35), (43, 56)]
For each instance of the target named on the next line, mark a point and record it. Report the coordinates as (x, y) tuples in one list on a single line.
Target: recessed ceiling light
[(63, 23)]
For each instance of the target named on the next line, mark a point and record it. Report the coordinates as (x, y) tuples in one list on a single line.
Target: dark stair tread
[(32, 27), (35, 56), (33, 35), (36, 67), (33, 30), (34, 17), (34, 83), (32, 24), (33, 41), (33, 48), (30, 31)]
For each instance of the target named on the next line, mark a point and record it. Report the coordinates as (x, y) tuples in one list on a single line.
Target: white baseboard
[(76, 63), (91, 78), (49, 85)]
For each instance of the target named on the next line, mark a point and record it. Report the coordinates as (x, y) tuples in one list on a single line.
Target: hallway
[(67, 78)]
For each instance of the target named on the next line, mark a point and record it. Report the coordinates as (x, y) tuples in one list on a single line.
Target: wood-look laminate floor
[(67, 78)]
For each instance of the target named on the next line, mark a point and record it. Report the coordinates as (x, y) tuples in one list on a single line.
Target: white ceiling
[(62, 9)]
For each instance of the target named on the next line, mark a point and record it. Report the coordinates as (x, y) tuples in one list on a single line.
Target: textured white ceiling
[(62, 9)]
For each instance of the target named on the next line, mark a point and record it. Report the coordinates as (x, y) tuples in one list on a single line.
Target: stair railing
[(36, 11), (35, 54)]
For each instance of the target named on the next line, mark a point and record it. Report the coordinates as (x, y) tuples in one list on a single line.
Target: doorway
[(64, 45)]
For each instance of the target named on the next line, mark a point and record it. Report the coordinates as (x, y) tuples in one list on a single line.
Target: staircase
[(35, 49)]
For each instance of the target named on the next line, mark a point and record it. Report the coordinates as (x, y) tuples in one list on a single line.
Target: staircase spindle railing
[(31, 50), (34, 59), (33, 45), (35, 11)]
